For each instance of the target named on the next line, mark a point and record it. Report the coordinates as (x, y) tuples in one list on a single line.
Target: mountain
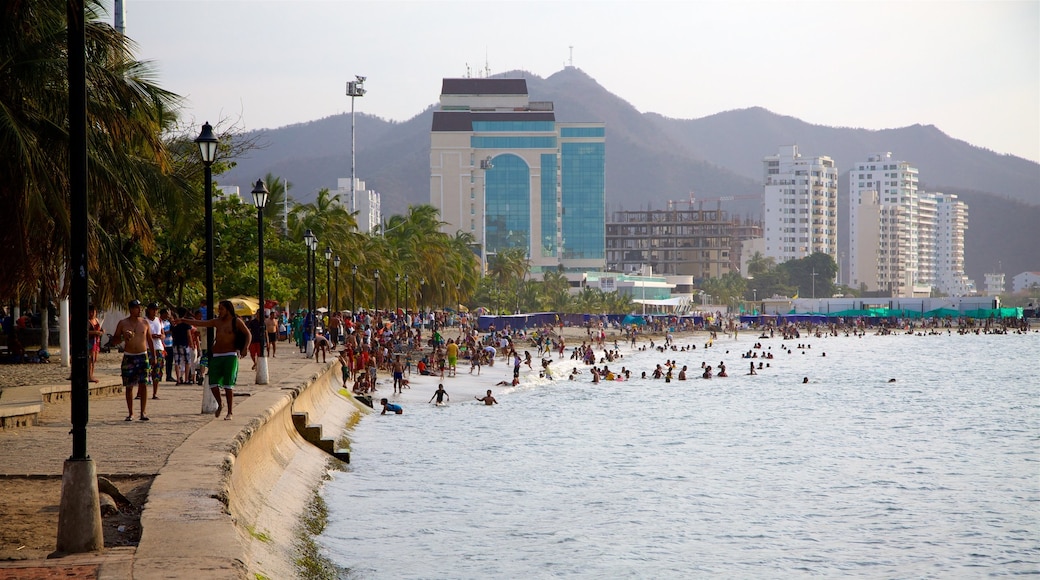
[(652, 159)]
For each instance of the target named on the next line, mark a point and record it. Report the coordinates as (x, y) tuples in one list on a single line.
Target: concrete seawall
[(228, 500)]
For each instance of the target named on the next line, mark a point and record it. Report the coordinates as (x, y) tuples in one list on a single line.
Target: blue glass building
[(504, 170)]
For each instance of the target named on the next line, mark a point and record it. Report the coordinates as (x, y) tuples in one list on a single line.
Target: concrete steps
[(312, 434), (21, 406)]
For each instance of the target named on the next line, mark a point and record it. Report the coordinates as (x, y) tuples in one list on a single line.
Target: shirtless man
[(223, 360), (488, 399), (136, 333), (398, 375)]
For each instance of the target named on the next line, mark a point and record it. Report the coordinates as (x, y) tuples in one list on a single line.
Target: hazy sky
[(970, 68)]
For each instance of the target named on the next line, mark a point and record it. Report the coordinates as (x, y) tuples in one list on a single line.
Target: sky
[(971, 68)]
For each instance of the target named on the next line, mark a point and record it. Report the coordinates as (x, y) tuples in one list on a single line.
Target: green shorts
[(223, 370)]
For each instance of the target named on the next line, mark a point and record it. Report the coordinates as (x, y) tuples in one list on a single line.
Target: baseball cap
[(133, 303), (153, 305)]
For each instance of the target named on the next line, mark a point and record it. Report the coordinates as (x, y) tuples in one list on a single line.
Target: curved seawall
[(227, 503)]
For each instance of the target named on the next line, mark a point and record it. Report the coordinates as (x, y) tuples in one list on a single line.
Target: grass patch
[(310, 563), (261, 536)]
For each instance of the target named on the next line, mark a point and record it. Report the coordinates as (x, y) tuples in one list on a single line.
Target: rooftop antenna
[(487, 66), (570, 61), (469, 74)]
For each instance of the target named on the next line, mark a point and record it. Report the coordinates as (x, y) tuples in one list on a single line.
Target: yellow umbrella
[(245, 306), (462, 308)]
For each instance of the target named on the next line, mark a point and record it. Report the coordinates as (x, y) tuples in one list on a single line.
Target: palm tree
[(131, 174)]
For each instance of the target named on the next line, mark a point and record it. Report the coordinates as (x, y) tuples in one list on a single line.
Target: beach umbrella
[(245, 306)]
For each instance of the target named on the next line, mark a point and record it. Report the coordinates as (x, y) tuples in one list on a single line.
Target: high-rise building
[(800, 216), (890, 230), (951, 221), (368, 203), (505, 171)]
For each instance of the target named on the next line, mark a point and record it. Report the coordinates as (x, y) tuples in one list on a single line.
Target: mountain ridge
[(652, 159)]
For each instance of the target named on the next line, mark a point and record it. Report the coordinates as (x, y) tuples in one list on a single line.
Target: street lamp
[(353, 290), (311, 241), (355, 88), (397, 292), (260, 194), (335, 302), (375, 297), (443, 298), (328, 279), (207, 143), (406, 292), (422, 299)]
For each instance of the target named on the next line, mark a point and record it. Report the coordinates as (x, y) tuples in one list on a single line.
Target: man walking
[(157, 355), (230, 343), (136, 333)]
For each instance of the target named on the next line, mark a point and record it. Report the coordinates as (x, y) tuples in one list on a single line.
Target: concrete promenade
[(226, 494)]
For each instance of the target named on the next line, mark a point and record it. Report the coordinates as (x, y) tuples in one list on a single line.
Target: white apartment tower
[(890, 230), (951, 221), (801, 205)]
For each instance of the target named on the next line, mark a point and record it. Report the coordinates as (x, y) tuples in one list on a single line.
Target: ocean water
[(934, 475)]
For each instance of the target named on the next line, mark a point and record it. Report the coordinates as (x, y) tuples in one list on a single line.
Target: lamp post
[(443, 298), (207, 143), (260, 194), (406, 295), (311, 241), (375, 297), (328, 279), (422, 300), (335, 302), (79, 516), (397, 292), (355, 88), (485, 165), (353, 290)]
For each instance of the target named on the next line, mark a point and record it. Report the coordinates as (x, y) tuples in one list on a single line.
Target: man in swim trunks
[(398, 375), (452, 351), (230, 343), (137, 333)]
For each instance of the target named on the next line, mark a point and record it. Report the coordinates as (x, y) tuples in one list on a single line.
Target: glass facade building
[(504, 170)]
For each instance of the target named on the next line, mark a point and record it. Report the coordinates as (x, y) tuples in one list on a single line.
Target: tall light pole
[(260, 195), (79, 516), (335, 303), (406, 289), (422, 300), (355, 88), (397, 292), (486, 165), (353, 290), (814, 283), (207, 143), (444, 298), (328, 279), (375, 297)]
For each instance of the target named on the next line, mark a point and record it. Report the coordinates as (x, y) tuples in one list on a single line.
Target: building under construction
[(703, 243)]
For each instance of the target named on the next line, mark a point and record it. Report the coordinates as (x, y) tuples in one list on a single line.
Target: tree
[(813, 275)]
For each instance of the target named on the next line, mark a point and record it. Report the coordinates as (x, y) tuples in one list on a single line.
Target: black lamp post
[(335, 302), (444, 299), (406, 292), (376, 297), (260, 195), (311, 241), (353, 290), (328, 279), (422, 297), (397, 293), (207, 143)]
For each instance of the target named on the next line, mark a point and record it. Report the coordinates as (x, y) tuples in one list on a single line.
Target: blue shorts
[(135, 369)]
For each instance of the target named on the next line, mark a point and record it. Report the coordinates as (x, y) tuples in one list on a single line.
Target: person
[(255, 324), (488, 399), (452, 351), (181, 334), (392, 407), (398, 375), (157, 355), (441, 395), (344, 361), (752, 368), (136, 332), (167, 328), (230, 343), (272, 334), (94, 334), (321, 345), (805, 380)]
